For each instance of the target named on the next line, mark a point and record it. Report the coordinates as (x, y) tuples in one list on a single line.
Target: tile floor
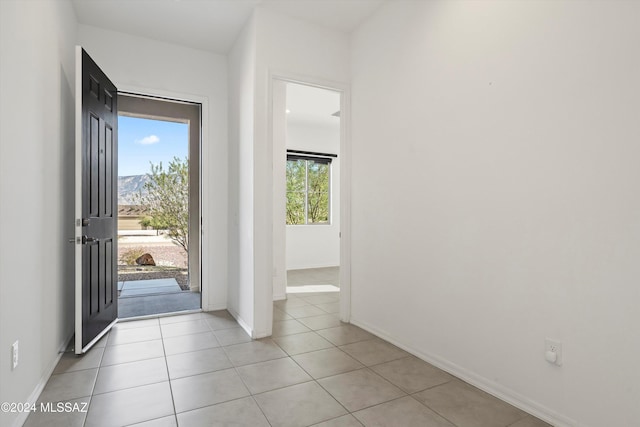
[(201, 369), (314, 276)]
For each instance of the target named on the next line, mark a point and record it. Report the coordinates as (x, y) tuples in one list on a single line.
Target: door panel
[(96, 153)]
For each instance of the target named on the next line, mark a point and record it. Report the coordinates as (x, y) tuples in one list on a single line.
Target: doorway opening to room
[(309, 214), (158, 206)]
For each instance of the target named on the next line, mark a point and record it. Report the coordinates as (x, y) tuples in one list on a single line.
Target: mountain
[(129, 186)]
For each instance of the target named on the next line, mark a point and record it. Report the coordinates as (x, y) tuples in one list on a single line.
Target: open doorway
[(310, 180), (158, 206)]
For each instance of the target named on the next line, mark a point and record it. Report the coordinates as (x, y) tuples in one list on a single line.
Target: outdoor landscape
[(153, 224)]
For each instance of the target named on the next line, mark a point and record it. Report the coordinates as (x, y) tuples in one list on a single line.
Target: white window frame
[(306, 193)]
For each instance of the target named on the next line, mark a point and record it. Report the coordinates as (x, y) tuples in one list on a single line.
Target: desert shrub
[(129, 256)]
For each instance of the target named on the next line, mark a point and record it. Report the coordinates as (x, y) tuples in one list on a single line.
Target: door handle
[(89, 240)]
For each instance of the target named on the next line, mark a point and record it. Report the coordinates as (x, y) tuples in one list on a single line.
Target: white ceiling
[(309, 105), (212, 25)]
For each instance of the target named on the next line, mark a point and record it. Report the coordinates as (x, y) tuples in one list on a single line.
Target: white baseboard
[(491, 387), (308, 266), (241, 322), (35, 394)]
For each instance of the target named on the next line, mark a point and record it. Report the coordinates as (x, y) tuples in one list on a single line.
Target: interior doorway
[(307, 167), (158, 206)]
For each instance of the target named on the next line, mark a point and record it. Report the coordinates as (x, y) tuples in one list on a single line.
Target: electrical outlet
[(553, 347), (14, 351)]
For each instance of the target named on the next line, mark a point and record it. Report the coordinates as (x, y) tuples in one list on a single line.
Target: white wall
[(158, 68), (241, 112), (495, 196), (295, 48), (36, 192), (312, 246)]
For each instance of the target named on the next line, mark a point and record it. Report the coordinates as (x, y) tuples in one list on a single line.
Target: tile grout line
[(235, 368), (315, 380), (166, 364), (86, 416), (432, 409), (128, 388), (405, 394)]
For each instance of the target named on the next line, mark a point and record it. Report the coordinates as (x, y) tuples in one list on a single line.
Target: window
[(308, 183)]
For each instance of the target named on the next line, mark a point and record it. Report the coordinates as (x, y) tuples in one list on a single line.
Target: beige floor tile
[(180, 318), (131, 335), (184, 328), (345, 334), (254, 352), (265, 376), (288, 327), (335, 294), (314, 276), (373, 352), (70, 385), (101, 343), (241, 412), (299, 405), (214, 367), (197, 362), (218, 314), (132, 374), (321, 322), (169, 421), (124, 353), (190, 342), (70, 362), (231, 336), (128, 324), (343, 421), (322, 299), (292, 301), (203, 390), (302, 343), (327, 362), (130, 406), (467, 406), (530, 421), (405, 411), (360, 389), (219, 320), (304, 311), (280, 315), (43, 418), (412, 374), (332, 307)]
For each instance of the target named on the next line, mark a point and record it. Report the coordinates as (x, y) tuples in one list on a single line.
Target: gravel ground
[(171, 262), (164, 255)]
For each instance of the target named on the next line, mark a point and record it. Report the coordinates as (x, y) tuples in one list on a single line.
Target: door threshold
[(159, 315)]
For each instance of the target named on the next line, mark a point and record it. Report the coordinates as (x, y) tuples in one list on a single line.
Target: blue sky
[(141, 141)]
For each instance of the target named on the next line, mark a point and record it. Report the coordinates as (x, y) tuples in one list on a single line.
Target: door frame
[(345, 170), (205, 271), (163, 109)]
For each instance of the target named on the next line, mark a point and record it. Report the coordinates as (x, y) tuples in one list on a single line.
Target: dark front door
[(97, 307)]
